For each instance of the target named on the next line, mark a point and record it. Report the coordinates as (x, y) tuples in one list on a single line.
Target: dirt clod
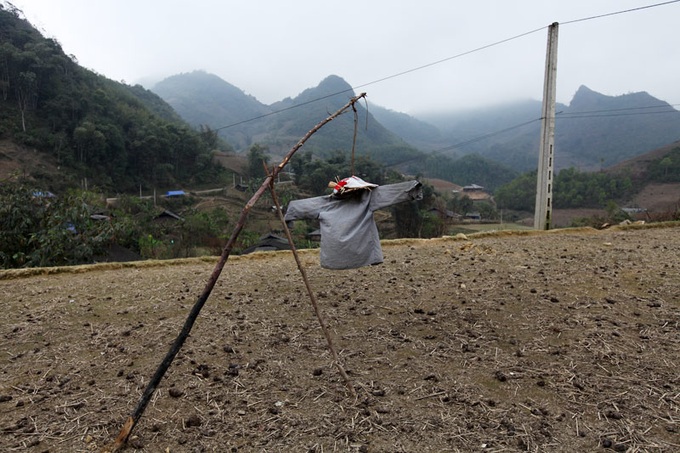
[(175, 392), (193, 420)]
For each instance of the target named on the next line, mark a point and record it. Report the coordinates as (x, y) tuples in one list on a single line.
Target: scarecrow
[(349, 235)]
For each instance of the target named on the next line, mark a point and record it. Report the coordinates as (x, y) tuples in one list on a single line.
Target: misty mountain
[(421, 134), (298, 115), (593, 131), (598, 131), (205, 99)]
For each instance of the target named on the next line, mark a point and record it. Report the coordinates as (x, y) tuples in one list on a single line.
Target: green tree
[(571, 189), (459, 204), (38, 229), (519, 194), (665, 168), (88, 141), (202, 228), (257, 159), (313, 175), (96, 128), (413, 218), (26, 94), (666, 163), (487, 211)]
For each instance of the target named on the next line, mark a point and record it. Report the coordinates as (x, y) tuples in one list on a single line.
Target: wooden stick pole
[(133, 419), (312, 297)]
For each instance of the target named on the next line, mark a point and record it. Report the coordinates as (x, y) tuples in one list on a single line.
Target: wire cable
[(399, 74), (618, 114), (443, 60), (461, 144), (569, 115), (560, 115), (618, 12), (485, 136), (478, 49), (622, 109)]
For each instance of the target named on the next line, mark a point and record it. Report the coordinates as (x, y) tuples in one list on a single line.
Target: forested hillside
[(620, 185), (118, 137), (203, 98), (598, 131), (592, 132), (241, 119)]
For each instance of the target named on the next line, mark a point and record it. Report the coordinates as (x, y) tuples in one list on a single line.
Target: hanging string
[(354, 138)]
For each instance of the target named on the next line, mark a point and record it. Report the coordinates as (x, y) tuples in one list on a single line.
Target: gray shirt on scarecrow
[(349, 236)]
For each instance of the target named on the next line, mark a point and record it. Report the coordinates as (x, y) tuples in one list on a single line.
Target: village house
[(478, 195)]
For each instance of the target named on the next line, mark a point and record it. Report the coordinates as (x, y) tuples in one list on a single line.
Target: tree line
[(122, 137), (39, 228), (572, 189), (578, 189)]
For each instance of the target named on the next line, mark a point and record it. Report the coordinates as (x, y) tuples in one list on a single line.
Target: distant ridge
[(205, 99), (202, 98), (592, 132), (598, 131), (638, 166)]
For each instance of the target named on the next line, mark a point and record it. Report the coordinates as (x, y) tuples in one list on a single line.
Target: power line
[(408, 71), (485, 136), (604, 113), (618, 12), (619, 114), (434, 63), (623, 109), (478, 49), (467, 142), (284, 109)]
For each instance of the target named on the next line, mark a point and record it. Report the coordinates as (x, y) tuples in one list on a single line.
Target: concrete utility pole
[(544, 182)]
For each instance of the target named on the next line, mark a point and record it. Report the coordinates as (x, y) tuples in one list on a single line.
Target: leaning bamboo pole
[(133, 418)]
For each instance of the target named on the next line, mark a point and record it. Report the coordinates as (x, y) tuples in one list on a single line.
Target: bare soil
[(554, 342), (658, 198), (17, 160)]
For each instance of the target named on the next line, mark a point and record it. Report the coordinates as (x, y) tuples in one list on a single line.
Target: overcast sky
[(273, 49)]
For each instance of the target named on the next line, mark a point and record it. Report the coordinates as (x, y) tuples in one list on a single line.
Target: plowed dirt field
[(565, 341)]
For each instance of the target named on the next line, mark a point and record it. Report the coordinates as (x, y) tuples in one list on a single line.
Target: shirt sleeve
[(308, 208), (384, 196)]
